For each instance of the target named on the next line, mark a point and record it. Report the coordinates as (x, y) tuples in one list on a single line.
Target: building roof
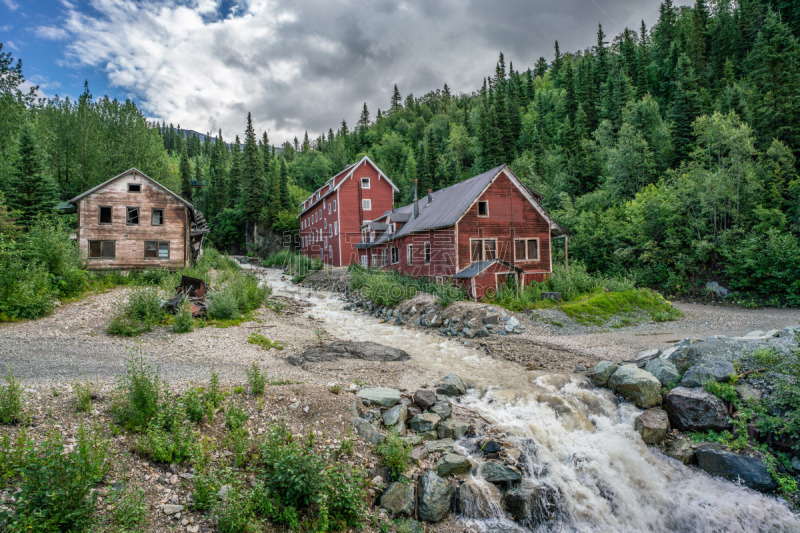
[(118, 176), (479, 266)]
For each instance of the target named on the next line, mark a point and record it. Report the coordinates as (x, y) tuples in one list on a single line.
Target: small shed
[(484, 277), (132, 222)]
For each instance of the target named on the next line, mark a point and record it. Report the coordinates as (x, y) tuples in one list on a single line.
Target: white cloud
[(306, 65), (51, 32), (10, 4)]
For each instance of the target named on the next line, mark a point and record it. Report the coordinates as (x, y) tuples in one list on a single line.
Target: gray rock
[(754, 334), (664, 371), (653, 425), (696, 410), (637, 385), (748, 393), (170, 509), (749, 471), (452, 463), (424, 422), (492, 320), (452, 429), (398, 413), (474, 501), (682, 356), (425, 398), (367, 432), (600, 372), (511, 324), (495, 472), (640, 359), (796, 464), (435, 497), (419, 453), (368, 351), (379, 396), (452, 385), (532, 503), (223, 491), (680, 449), (701, 373), (440, 446), (399, 499), (481, 332), (443, 409)]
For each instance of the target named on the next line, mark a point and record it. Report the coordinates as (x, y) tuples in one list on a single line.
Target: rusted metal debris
[(193, 291)]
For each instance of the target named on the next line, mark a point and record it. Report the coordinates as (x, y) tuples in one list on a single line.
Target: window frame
[(526, 242), (139, 185), (366, 204), (100, 215), (384, 257), (158, 245), (368, 186), (153, 212), (485, 203), (428, 257), (128, 216), (409, 254), (395, 255), (102, 243), (484, 255)]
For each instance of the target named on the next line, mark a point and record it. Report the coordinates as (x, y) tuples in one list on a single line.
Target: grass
[(298, 265), (260, 340), (391, 288), (599, 307)]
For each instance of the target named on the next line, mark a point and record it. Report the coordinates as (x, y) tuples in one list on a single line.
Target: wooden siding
[(130, 239), (511, 216)]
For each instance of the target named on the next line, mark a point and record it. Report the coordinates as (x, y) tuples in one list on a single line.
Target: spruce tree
[(31, 190), (283, 188), (234, 191), (252, 177), (185, 171), (397, 101)]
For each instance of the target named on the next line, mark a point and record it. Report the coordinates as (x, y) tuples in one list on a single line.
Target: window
[(526, 249), (334, 206), (325, 223), (364, 261), (483, 209), (483, 249), (336, 228), (365, 183), (102, 249), (395, 255), (133, 216), (383, 257), (427, 253), (157, 218), (366, 204), (374, 260), (330, 231), (105, 215), (329, 209), (156, 250), (134, 187), (410, 254)]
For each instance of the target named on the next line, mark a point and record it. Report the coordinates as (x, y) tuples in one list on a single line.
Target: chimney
[(430, 195), (416, 201)]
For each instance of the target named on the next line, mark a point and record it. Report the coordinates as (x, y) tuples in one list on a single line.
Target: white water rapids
[(580, 444)]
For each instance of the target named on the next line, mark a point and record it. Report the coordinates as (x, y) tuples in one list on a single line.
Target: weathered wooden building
[(477, 232), (131, 221), (331, 218)]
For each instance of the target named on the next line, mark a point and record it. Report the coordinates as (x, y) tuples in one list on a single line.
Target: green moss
[(599, 307)]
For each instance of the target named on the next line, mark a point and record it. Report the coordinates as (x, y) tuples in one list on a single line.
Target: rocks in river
[(398, 413), (749, 471), (379, 396), (425, 398), (453, 429), (435, 497), (452, 463), (696, 410), (442, 408), (452, 385), (653, 425), (399, 499), (495, 472), (474, 500), (440, 446), (701, 373), (663, 370), (424, 422), (531, 502), (682, 355), (367, 432), (368, 351), (637, 385), (680, 449), (600, 372)]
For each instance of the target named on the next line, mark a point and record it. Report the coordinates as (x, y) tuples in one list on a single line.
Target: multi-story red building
[(331, 218), (477, 232)]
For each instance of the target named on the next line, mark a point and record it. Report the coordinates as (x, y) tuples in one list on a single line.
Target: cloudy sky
[(296, 65)]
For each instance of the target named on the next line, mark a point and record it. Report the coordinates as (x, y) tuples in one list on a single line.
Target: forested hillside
[(671, 153)]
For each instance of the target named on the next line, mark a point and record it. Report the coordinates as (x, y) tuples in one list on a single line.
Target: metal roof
[(479, 266), (118, 176)]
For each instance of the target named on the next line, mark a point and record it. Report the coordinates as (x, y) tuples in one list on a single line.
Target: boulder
[(396, 414), (379, 396), (600, 372), (368, 351), (476, 501), (452, 429), (399, 499), (749, 471), (682, 355), (640, 359), (747, 393), (637, 385), (696, 410), (532, 503), (700, 373), (424, 422), (425, 398), (680, 449), (452, 463), (664, 371), (435, 497), (367, 432), (443, 409), (440, 446), (419, 453), (452, 385), (653, 425), (495, 472)]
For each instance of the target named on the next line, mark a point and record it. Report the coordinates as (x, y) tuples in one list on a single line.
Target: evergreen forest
[(670, 153)]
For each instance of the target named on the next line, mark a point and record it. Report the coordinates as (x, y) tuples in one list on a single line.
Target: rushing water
[(581, 451)]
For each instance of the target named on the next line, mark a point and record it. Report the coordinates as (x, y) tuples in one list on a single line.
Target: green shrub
[(129, 512), (48, 243), (384, 289), (83, 396), (206, 485), (11, 404), (183, 321), (193, 405), (168, 439), (25, 290), (235, 416), (138, 315), (395, 453), (256, 379), (235, 513), (222, 305), (138, 395), (248, 292), (213, 394)]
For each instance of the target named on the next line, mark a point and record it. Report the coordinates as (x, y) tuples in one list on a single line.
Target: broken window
[(134, 187), (133, 216), (105, 214), (157, 218), (410, 254), (427, 253), (102, 249), (476, 250), (156, 250), (489, 249), (395, 255), (365, 183), (483, 209)]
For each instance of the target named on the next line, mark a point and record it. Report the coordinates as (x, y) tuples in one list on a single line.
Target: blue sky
[(297, 65)]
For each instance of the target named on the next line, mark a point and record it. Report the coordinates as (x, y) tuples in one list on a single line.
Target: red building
[(331, 218), (477, 232)]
